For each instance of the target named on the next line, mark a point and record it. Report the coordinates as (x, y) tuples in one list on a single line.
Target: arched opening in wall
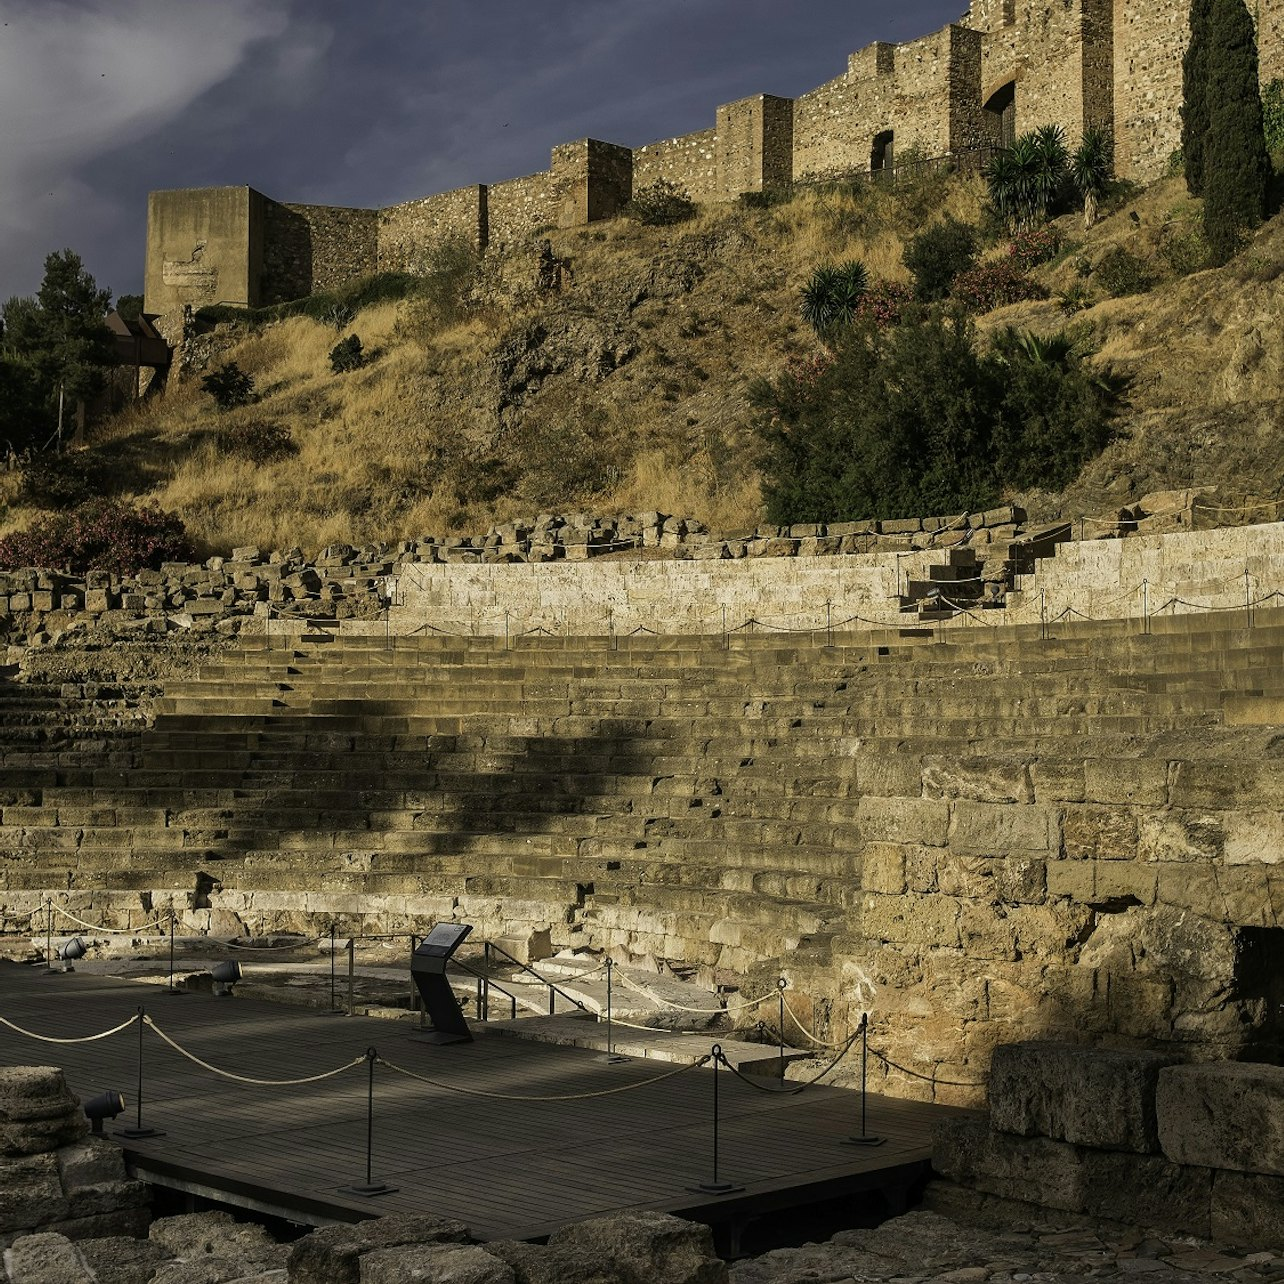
[(882, 156), (1000, 115)]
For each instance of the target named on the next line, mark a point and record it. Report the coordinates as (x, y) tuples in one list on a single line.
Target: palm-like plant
[(1026, 178), (833, 294), (1091, 168)]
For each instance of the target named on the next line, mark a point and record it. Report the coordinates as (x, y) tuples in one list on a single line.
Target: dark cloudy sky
[(365, 102)]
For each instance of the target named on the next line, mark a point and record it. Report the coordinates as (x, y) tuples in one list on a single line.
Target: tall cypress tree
[(1237, 169), (1194, 88)]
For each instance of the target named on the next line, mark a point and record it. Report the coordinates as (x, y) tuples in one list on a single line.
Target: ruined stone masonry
[(1009, 65)]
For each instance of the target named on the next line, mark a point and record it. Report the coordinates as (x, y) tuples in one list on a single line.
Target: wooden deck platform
[(507, 1168)]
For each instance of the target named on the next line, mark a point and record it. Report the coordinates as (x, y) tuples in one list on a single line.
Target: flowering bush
[(995, 285), (1034, 246), (102, 535), (884, 303)]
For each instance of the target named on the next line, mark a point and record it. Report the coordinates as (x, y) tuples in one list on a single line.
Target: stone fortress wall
[(1007, 66)]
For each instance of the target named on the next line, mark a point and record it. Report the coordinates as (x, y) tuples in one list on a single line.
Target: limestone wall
[(1176, 574), (690, 161), (661, 596), (409, 232), (308, 249)]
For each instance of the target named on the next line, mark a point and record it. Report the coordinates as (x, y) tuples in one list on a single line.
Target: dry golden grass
[(623, 393)]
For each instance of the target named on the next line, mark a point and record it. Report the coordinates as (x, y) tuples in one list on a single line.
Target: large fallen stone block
[(38, 1112), (1229, 1114), (1248, 1210), (643, 1247), (1147, 1190), (333, 1254), (30, 1193), (435, 1264), (1087, 1096), (121, 1259), (47, 1259), (1028, 1168)]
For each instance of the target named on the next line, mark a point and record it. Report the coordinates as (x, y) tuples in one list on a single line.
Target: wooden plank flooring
[(509, 1169)]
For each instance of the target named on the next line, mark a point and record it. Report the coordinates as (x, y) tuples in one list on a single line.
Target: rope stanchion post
[(1248, 602), (370, 1188), (781, 986), (333, 1009), (716, 1185), (866, 1138), (1145, 606), (612, 1057), (49, 967), (352, 976), (172, 991), (139, 1132)]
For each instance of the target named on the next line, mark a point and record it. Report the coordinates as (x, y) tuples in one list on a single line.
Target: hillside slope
[(617, 382)]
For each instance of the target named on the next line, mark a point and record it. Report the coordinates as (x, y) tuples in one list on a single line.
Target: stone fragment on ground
[(333, 1254)]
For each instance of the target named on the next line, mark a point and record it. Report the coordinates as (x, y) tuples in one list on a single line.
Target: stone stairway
[(953, 822)]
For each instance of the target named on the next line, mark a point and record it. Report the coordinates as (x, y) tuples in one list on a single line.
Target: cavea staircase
[(978, 834)]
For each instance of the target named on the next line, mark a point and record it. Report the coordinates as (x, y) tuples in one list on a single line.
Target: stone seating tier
[(981, 834)]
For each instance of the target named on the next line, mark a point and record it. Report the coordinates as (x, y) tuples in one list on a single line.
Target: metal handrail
[(553, 990), (484, 984)]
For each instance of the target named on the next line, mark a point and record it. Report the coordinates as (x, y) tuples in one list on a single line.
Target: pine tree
[(1195, 103), (1237, 168)]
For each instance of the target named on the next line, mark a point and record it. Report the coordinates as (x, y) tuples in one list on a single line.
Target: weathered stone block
[(886, 775), (883, 868), (30, 1193), (903, 820), (47, 1259), (1100, 1097), (120, 1259), (1248, 1210), (434, 1264), (969, 1152), (977, 779), (1225, 1115), (987, 829), (647, 1246), (38, 1112), (1132, 781), (1254, 837), (929, 920), (1147, 1190), (1099, 833), (332, 1255)]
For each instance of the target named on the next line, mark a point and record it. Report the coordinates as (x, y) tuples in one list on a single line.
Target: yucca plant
[(1026, 178), (1091, 168), (833, 294)]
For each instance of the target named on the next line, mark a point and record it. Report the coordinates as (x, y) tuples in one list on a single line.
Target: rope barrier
[(114, 931), (88, 1038), (264, 949), (563, 1096), (240, 1078), (927, 1078), (737, 1007), (807, 1034), (800, 1087)]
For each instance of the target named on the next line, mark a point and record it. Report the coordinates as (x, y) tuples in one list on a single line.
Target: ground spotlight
[(69, 950), (106, 1105), (225, 977)]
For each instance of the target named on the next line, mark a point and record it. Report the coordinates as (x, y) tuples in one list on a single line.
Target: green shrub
[(229, 385), (258, 440), (346, 355), (660, 204), (996, 285), (766, 199), (937, 255), (336, 307), (101, 535), (1185, 251), (1122, 272), (832, 294), (442, 293), (1091, 169), (924, 418), (62, 481)]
